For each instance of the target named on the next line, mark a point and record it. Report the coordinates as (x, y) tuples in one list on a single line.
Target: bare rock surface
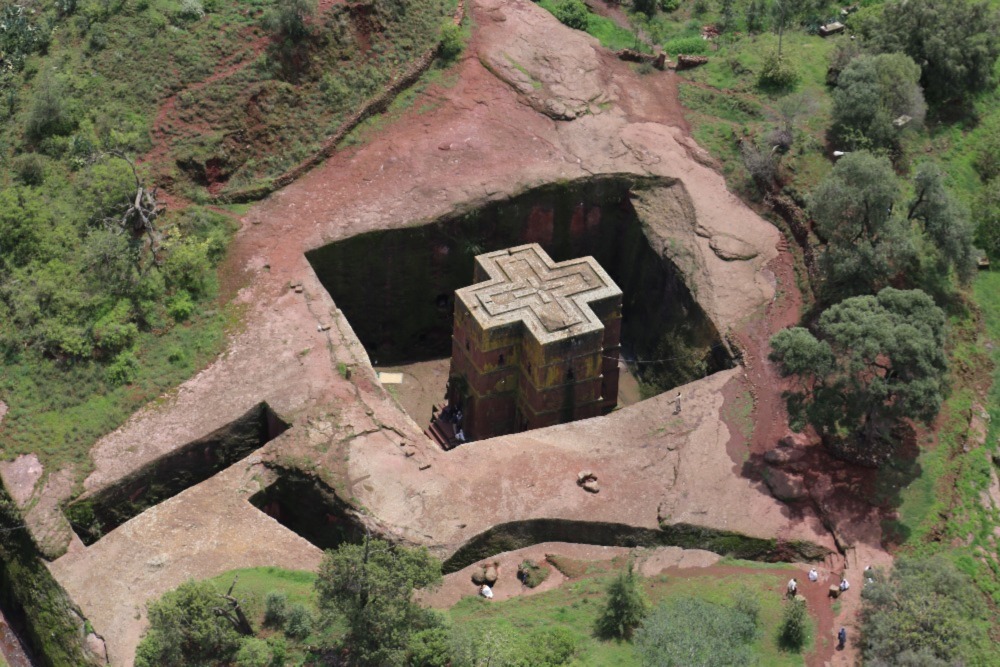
[(731, 248), (786, 486), (20, 477)]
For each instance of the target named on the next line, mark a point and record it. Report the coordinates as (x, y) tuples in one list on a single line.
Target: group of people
[(453, 415), (793, 589)]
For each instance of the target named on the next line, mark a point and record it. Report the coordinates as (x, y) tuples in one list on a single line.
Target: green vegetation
[(371, 585), (879, 360), (691, 632), (925, 612), (625, 607), (106, 304), (793, 633)]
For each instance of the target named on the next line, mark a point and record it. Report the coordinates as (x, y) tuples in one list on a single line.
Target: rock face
[(785, 486), (783, 455), (731, 248)]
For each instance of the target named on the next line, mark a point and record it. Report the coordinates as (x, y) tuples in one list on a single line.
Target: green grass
[(576, 605), (611, 35)]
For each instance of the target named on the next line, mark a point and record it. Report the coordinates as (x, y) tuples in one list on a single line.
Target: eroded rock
[(783, 455), (731, 248), (785, 486)]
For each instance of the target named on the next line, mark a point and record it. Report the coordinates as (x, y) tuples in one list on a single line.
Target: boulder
[(784, 455), (479, 576), (792, 439), (591, 486), (490, 574), (731, 248), (785, 486)]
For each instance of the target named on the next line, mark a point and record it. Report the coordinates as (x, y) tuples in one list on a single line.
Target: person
[(486, 592), (460, 435), (813, 575), (844, 585), (793, 587), (677, 410), (841, 639)]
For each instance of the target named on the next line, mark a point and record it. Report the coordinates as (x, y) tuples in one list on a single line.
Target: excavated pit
[(94, 516), (310, 509), (397, 287)]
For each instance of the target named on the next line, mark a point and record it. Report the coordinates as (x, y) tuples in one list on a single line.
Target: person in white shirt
[(793, 587), (486, 592), (813, 575), (844, 585)]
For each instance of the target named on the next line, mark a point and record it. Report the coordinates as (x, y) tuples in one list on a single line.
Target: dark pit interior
[(94, 516), (396, 287), (306, 507)]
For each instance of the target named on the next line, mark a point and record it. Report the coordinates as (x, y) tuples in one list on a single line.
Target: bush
[(276, 609), (532, 574), (572, 13), (187, 267), (688, 46), (927, 608), (670, 5), (299, 623), (430, 648), (30, 168), (776, 73), (180, 306), (547, 647), (50, 113), (691, 632), (452, 43), (289, 20), (98, 40), (254, 653), (793, 632), (124, 369)]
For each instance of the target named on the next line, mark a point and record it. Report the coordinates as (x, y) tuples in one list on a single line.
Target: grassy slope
[(574, 606)]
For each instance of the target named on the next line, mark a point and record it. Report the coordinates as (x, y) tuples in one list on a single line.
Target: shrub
[(550, 646), (573, 13), (276, 609), (430, 648), (776, 73), (30, 168), (180, 306), (452, 43), (187, 267), (793, 632), (50, 113), (299, 622), (670, 5), (124, 369), (686, 45), (289, 20), (532, 574), (254, 652), (98, 40), (691, 632)]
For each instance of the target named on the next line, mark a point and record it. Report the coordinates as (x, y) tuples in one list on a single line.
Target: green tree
[(691, 632), (871, 93), (185, 630), (852, 211), (947, 231), (926, 612), (793, 631), (647, 7), (625, 607), (372, 586), (874, 361), (987, 209), (289, 20), (754, 16), (955, 42)]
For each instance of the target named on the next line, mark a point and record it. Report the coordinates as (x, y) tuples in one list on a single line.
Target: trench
[(96, 515), (42, 626), (520, 534), (396, 287), (311, 509)]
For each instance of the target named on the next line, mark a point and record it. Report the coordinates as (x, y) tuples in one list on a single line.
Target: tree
[(755, 16), (926, 612), (625, 607), (289, 20), (372, 585), (783, 14), (987, 209), (793, 632), (852, 211), (691, 632), (955, 42), (874, 361), (871, 93), (947, 229), (186, 630)]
